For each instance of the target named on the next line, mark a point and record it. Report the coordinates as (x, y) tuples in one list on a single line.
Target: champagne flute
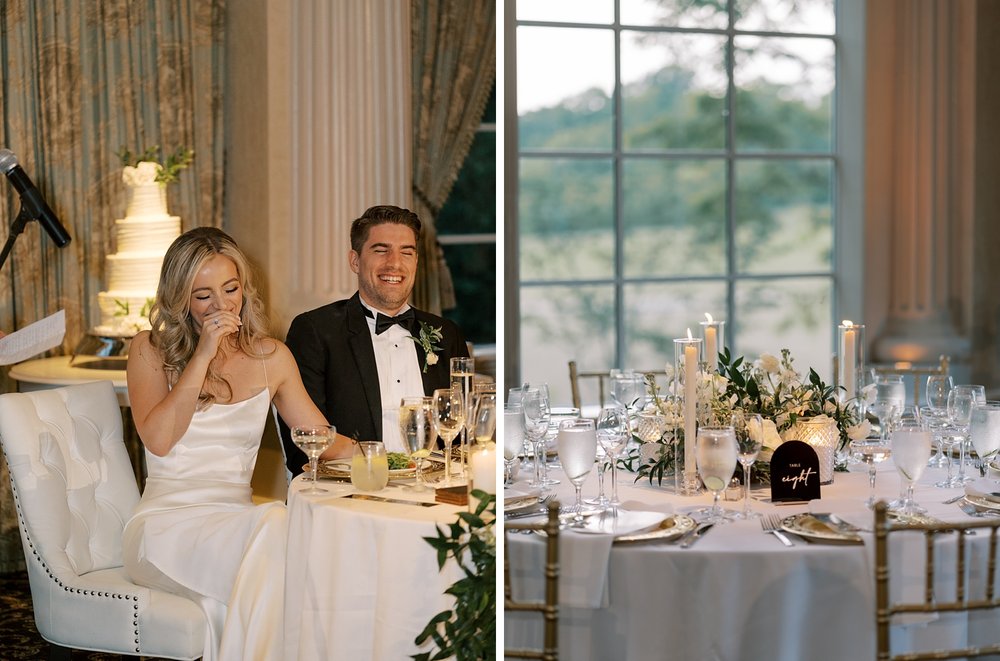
[(484, 415), (911, 448), (716, 455), (462, 373), (449, 418), (313, 440), (416, 427), (513, 438), (871, 451), (749, 428), (577, 443), (612, 434)]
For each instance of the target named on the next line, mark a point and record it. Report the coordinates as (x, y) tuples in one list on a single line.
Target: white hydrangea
[(143, 173)]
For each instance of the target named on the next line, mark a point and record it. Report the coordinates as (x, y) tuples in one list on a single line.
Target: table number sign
[(794, 472)]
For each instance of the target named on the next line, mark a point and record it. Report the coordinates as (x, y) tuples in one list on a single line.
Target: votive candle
[(483, 467), (713, 333)]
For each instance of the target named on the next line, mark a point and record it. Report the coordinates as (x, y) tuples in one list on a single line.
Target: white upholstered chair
[(74, 489)]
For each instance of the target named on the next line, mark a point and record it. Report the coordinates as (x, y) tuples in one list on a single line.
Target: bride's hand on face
[(214, 327)]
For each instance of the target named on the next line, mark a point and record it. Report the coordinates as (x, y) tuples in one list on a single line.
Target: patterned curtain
[(454, 63), (79, 81)]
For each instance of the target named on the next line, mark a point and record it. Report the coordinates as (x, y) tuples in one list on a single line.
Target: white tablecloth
[(361, 581), (737, 594)]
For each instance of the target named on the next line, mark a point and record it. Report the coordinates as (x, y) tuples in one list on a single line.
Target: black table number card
[(794, 472)]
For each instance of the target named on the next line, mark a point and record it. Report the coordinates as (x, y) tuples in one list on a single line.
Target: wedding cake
[(142, 238)]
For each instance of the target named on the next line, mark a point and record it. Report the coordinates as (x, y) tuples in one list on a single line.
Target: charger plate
[(669, 529)]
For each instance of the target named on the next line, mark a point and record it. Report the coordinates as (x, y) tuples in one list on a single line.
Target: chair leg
[(59, 653)]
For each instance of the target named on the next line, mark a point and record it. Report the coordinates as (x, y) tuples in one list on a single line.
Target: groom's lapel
[(360, 342)]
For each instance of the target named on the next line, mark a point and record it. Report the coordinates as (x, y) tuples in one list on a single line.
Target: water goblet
[(416, 426), (936, 420), (911, 448), (537, 414), (871, 451), (886, 411), (749, 430), (577, 443), (936, 392), (513, 438), (613, 434), (448, 413), (716, 456), (984, 432), (313, 440)]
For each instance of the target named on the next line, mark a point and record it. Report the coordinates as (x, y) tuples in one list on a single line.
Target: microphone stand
[(16, 227)]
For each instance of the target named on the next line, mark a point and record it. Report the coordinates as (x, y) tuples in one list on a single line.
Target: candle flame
[(847, 322), (709, 317), (689, 334)]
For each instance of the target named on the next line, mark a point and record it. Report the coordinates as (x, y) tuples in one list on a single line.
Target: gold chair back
[(549, 609), (600, 380), (918, 373), (955, 599)]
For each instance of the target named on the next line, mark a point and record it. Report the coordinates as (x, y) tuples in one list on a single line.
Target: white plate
[(808, 526), (982, 501), (623, 524), (669, 529)]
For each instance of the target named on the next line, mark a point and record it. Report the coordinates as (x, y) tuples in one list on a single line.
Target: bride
[(200, 385)]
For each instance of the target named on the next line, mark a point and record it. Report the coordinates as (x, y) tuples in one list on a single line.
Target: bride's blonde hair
[(174, 333)]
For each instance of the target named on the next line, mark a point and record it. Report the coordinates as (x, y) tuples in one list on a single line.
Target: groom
[(360, 356)]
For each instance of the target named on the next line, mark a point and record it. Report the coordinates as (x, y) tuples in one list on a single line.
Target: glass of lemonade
[(369, 466), (716, 454)]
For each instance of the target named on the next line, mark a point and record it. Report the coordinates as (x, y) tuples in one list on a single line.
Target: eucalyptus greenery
[(467, 632), (170, 168)]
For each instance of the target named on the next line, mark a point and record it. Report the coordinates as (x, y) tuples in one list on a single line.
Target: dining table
[(361, 580), (738, 592)]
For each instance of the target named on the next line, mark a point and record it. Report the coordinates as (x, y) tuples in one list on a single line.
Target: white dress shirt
[(398, 375)]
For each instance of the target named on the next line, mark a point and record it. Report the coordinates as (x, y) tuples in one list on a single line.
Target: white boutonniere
[(428, 341)]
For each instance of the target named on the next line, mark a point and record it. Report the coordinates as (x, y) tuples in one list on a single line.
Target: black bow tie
[(382, 322)]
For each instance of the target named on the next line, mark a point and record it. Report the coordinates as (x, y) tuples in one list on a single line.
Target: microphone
[(31, 199)]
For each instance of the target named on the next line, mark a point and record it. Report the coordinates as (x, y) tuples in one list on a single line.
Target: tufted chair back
[(74, 490)]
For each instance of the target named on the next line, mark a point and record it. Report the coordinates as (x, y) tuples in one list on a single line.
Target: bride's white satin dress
[(196, 532)]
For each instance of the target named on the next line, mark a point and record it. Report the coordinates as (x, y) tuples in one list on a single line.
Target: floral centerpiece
[(769, 386)]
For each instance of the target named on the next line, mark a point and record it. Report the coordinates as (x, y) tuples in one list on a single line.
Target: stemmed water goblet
[(984, 432), (449, 419), (629, 390), (577, 443), (716, 455), (416, 426), (961, 401), (749, 428), (313, 440), (613, 434), (911, 448), (871, 451), (513, 438), (537, 414)]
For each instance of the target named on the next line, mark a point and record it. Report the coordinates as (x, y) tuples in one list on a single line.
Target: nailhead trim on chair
[(34, 552)]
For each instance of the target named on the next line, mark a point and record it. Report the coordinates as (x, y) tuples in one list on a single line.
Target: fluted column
[(920, 160)]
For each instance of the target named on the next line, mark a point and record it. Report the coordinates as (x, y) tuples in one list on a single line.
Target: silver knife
[(693, 537), (364, 496)]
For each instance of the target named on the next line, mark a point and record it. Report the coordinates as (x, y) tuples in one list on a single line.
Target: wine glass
[(886, 410), (936, 392), (984, 432), (871, 451), (911, 448), (449, 418), (613, 434), (537, 414), (416, 427), (749, 428), (313, 440), (716, 455), (577, 442), (961, 401), (629, 390), (513, 438)]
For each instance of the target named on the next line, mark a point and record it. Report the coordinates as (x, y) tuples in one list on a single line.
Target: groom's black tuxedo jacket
[(333, 348)]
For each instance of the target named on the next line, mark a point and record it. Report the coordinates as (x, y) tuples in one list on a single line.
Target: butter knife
[(696, 535), (364, 496)]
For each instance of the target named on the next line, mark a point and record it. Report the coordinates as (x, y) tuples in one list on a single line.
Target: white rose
[(859, 431), (772, 439), (432, 359), (769, 363)]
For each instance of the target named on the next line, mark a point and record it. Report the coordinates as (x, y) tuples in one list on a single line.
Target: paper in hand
[(33, 339)]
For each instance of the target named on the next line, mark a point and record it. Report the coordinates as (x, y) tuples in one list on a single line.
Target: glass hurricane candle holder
[(850, 358), (687, 358)]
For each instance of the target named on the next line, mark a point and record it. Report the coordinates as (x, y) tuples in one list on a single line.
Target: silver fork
[(772, 524)]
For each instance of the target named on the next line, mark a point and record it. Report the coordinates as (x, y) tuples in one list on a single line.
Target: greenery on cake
[(170, 167)]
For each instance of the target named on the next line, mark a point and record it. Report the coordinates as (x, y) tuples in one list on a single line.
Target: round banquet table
[(361, 582), (737, 593)]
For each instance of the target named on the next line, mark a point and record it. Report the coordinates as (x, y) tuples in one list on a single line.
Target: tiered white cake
[(142, 237)]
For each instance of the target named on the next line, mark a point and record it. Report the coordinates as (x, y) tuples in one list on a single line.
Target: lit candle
[(711, 340), (850, 350), (690, 405), (483, 467)]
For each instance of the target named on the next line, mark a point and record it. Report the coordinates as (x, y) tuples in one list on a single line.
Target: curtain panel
[(454, 63), (81, 80)]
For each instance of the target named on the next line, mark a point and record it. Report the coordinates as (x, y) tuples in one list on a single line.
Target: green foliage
[(170, 168), (468, 631)]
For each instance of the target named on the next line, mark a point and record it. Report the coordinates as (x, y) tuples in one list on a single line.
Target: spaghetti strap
[(263, 362)]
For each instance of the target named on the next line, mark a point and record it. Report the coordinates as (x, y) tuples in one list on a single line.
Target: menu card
[(794, 473)]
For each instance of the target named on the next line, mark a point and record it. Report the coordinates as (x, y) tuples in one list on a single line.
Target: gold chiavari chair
[(549, 609), (917, 373), (602, 380), (934, 601)]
